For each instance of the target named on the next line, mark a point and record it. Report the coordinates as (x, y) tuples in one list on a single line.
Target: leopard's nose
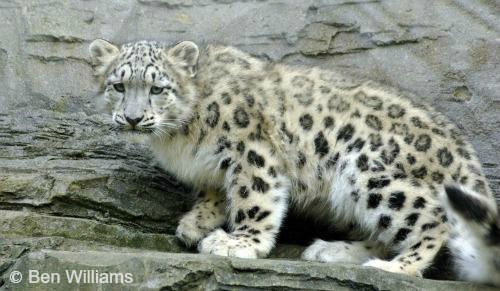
[(134, 121)]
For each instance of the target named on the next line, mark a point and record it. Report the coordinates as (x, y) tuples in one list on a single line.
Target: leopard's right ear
[(185, 55), (102, 54)]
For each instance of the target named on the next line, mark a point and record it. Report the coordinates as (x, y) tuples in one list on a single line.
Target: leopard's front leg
[(257, 201), (207, 214)]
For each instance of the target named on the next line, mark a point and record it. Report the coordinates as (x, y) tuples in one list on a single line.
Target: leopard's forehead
[(142, 52), (140, 61)]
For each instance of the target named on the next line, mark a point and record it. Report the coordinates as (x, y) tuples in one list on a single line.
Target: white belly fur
[(199, 170)]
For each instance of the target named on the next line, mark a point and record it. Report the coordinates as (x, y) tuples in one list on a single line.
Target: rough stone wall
[(446, 52), (67, 184)]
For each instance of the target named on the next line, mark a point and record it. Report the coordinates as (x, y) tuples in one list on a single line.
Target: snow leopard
[(259, 138)]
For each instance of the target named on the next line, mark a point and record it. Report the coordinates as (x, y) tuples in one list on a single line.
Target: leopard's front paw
[(189, 232), (223, 244)]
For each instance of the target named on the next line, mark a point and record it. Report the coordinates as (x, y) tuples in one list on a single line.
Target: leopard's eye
[(156, 90), (119, 87)]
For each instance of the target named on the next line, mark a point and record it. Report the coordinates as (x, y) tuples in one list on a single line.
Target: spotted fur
[(261, 137), (475, 235)]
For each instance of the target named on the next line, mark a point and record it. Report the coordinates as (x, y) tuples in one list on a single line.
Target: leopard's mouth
[(133, 129), (135, 132), (140, 130)]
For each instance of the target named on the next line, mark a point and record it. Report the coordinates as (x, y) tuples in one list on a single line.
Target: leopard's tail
[(474, 235)]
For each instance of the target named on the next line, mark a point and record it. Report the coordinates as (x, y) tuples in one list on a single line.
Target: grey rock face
[(167, 271), (69, 184), (447, 53), (73, 165)]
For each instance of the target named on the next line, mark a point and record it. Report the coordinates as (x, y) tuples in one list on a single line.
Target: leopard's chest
[(195, 166)]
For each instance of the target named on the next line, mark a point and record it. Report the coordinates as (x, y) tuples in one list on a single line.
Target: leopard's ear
[(185, 55), (102, 54)]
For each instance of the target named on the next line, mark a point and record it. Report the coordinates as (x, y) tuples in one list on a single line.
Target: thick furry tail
[(475, 235)]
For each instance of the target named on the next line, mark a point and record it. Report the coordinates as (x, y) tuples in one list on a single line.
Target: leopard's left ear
[(102, 54), (185, 55)]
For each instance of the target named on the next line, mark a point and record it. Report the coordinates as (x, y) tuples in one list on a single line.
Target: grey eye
[(156, 90), (119, 87)]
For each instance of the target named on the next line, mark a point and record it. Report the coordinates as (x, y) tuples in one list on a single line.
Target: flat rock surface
[(168, 271), (75, 194)]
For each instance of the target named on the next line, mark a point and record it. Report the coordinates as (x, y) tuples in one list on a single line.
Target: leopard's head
[(147, 87)]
